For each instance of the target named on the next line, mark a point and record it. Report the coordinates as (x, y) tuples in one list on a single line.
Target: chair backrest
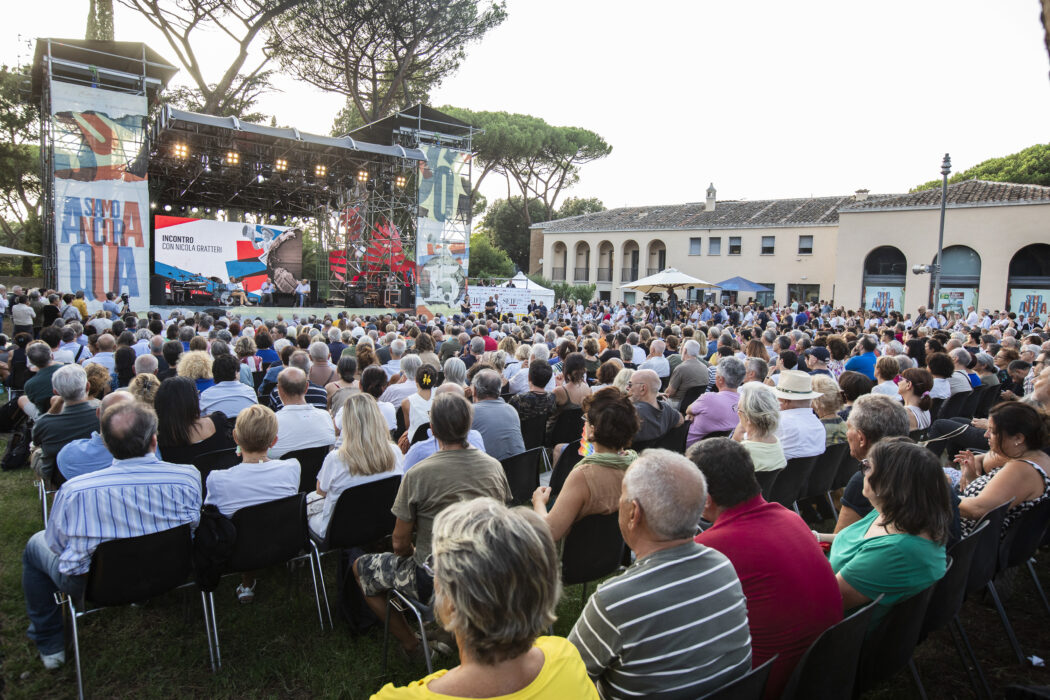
[(421, 433), (750, 686), (1024, 535), (310, 461), (789, 484), (399, 415), (208, 462), (973, 398), (523, 473), (950, 592), (665, 382), (566, 461), (935, 409), (362, 514), (985, 561), (269, 533), (849, 466), (691, 394), (717, 434), (257, 378), (592, 549), (674, 439), (824, 470), (533, 431), (829, 667), (986, 401), (888, 648), (917, 435), (568, 426), (953, 405), (766, 479), (134, 569)]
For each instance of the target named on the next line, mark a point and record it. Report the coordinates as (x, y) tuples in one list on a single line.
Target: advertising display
[(101, 193), (883, 299), (443, 227), (1030, 301), (509, 300), (223, 257), (957, 299)]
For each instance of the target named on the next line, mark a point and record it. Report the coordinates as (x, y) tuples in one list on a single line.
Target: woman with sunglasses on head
[(898, 549), (1016, 465)]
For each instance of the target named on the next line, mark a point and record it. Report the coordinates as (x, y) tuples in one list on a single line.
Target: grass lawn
[(273, 648)]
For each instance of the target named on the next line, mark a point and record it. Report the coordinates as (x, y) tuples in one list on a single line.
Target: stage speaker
[(157, 294), (408, 297), (215, 312), (356, 300), (312, 297)]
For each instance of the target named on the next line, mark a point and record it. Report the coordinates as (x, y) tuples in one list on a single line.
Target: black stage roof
[(117, 65)]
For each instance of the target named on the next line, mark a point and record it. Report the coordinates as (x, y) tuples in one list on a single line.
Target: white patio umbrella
[(4, 250), (666, 280)]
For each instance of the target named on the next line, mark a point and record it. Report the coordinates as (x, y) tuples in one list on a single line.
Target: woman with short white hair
[(496, 584), (759, 414)]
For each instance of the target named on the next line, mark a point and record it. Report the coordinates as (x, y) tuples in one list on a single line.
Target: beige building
[(855, 249)]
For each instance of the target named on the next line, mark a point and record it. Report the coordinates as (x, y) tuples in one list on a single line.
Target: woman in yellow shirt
[(496, 584)]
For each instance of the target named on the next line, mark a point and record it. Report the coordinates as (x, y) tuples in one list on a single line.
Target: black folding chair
[(935, 410), (665, 382), (257, 378), (973, 399), (420, 610), (421, 433), (523, 473), (828, 669), (593, 548), (717, 434), (208, 462), (766, 479), (310, 461), (953, 405), (825, 468), (360, 517), (792, 479), (674, 439), (691, 394), (133, 570), (849, 466), (568, 426), (534, 434), (987, 400), (750, 686), (566, 461)]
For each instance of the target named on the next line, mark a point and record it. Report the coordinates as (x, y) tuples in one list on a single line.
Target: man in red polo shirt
[(791, 592)]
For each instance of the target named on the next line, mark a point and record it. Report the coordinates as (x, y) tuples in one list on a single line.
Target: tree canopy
[(100, 21), (507, 227), (487, 260), (1028, 167), (20, 190)]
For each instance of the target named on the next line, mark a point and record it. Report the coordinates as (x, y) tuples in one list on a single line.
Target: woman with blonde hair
[(623, 378), (144, 388), (755, 348), (196, 365), (99, 381), (366, 455), (759, 414)]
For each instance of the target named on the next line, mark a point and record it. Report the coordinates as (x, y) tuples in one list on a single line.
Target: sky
[(765, 99)]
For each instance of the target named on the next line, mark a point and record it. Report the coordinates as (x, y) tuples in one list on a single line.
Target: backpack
[(16, 455), (213, 544)]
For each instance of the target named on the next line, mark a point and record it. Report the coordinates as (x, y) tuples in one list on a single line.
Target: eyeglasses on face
[(865, 467)]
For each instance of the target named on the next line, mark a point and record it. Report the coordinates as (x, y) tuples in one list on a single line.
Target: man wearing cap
[(817, 360), (801, 433)]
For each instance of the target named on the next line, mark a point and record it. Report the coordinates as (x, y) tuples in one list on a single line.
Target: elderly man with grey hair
[(146, 364), (657, 416), (405, 384), (496, 420), (651, 631), (715, 412), (691, 372), (70, 417), (656, 360), (393, 366), (959, 382)]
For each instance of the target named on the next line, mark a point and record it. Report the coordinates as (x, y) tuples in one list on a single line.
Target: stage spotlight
[(266, 171), (180, 150), (320, 170), (167, 207), (280, 165), (370, 185), (194, 210), (232, 158), (401, 181), (362, 176), (152, 205), (388, 188)]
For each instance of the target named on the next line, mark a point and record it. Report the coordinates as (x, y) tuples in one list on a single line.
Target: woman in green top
[(593, 485), (898, 549)]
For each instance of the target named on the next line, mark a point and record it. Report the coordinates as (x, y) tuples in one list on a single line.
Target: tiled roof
[(764, 213), (968, 192)]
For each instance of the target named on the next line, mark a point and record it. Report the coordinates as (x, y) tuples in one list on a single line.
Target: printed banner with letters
[(443, 227), (1029, 301), (101, 193), (509, 300), (958, 299), (883, 299)]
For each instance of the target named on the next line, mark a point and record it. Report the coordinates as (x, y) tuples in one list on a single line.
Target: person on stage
[(266, 291), (302, 291)]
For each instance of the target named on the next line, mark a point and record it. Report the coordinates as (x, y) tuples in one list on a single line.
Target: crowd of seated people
[(122, 403)]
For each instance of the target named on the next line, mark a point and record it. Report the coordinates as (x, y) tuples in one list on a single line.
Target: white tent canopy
[(520, 281), (4, 250), (666, 280)]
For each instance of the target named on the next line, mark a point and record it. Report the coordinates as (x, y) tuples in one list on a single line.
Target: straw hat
[(795, 386)]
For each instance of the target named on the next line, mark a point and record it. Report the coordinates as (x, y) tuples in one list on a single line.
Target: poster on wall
[(443, 227), (884, 299), (1024, 302), (225, 257), (957, 299), (101, 193)]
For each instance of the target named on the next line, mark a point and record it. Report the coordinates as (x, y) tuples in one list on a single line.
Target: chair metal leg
[(215, 627), (210, 630), (965, 660), (1014, 644), (1038, 586), (419, 621), (386, 630), (324, 588), (976, 663), (42, 492), (76, 645), (831, 504), (917, 680), (317, 593)]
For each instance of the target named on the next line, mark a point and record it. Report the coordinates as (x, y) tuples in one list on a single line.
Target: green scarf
[(615, 461)]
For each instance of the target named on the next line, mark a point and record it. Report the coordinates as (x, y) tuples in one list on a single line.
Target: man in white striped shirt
[(137, 495), (674, 625)]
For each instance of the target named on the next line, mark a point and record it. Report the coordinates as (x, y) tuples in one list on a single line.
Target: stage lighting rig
[(362, 176), (401, 181), (232, 158), (180, 151), (280, 165), (388, 187), (320, 171)]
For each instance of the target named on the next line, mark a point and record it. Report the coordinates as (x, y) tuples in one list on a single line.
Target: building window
[(805, 245), (628, 297), (734, 245), (766, 298), (807, 293), (714, 246), (769, 245), (694, 246)]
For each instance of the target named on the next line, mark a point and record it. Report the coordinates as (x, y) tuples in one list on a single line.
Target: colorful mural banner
[(101, 193), (884, 299), (1030, 301), (227, 255), (443, 227), (958, 299)]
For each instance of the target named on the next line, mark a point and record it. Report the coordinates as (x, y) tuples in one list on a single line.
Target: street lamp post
[(946, 167)]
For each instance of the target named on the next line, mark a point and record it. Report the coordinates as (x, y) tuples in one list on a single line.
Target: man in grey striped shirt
[(674, 625)]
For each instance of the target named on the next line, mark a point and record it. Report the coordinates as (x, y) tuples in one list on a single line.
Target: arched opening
[(657, 258), (960, 279), (1028, 286), (582, 268), (629, 273), (885, 275), (605, 261), (558, 264)]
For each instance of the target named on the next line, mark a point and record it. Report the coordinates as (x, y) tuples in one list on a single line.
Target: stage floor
[(270, 313)]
